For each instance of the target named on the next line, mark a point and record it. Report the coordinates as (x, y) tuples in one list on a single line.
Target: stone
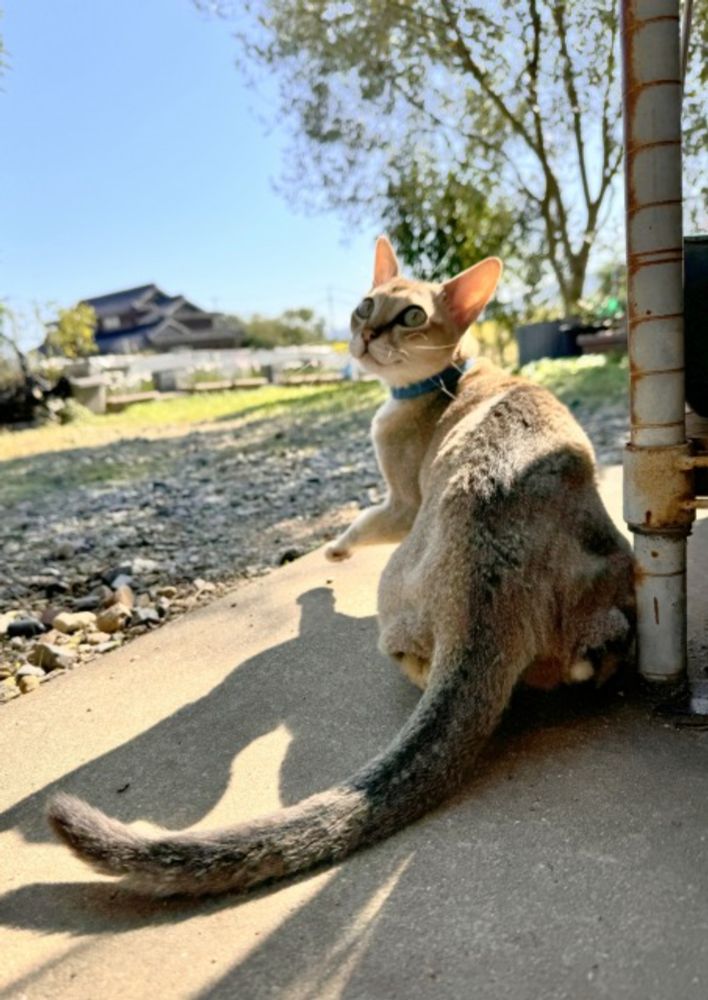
[(6, 670), (27, 684), (64, 550), (112, 618), (145, 616), (140, 566), (44, 654), (6, 619), (9, 690), (88, 603), (96, 638), (28, 670), (168, 592), (290, 555), (122, 580), (123, 594), (204, 586), (25, 628), (48, 616), (70, 622), (106, 647), (163, 606), (111, 575)]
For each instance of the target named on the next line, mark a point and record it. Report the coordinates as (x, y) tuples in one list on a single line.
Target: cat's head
[(405, 330)]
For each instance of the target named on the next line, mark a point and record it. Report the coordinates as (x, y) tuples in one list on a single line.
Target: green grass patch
[(236, 403), (590, 380)]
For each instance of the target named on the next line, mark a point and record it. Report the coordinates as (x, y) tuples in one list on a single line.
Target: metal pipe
[(657, 487), (685, 37)]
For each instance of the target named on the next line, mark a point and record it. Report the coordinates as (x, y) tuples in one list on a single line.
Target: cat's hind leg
[(415, 669)]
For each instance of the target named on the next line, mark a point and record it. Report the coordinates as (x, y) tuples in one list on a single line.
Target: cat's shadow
[(177, 771), (326, 681)]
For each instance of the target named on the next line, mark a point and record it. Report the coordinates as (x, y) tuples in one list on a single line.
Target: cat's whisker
[(434, 347)]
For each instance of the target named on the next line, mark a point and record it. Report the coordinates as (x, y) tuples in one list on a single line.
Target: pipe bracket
[(659, 489)]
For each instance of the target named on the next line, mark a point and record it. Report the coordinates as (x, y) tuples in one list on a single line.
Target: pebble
[(96, 638), (168, 592), (124, 595), (112, 618), (142, 567), (88, 603), (48, 616), (65, 550), (9, 690), (77, 621), (44, 654), (28, 670), (105, 647), (204, 586), (6, 619), (27, 684), (290, 555), (145, 616), (163, 606), (25, 628)]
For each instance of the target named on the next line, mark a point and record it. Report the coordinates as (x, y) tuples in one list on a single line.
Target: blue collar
[(445, 380)]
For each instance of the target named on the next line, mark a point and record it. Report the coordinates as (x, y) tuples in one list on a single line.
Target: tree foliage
[(294, 326), (72, 335), (478, 121)]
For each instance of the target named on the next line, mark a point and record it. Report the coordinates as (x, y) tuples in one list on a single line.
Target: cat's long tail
[(423, 765)]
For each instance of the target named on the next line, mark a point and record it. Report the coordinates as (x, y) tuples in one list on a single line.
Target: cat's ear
[(467, 293), (385, 262)]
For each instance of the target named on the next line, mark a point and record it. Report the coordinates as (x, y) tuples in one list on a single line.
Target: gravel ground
[(149, 526)]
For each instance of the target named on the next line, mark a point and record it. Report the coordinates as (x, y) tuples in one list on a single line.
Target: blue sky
[(131, 151)]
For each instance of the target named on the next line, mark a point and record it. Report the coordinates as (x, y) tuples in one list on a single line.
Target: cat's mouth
[(366, 354)]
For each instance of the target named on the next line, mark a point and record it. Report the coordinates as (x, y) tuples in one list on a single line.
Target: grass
[(180, 413), (592, 380)]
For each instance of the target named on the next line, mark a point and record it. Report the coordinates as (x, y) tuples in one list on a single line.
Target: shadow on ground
[(537, 864)]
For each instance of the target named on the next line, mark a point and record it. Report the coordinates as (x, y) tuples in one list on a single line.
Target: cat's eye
[(413, 316), (364, 309)]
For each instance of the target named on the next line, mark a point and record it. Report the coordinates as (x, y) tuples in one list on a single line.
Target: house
[(146, 319)]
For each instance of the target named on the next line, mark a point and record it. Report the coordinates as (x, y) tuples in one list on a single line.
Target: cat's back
[(500, 424)]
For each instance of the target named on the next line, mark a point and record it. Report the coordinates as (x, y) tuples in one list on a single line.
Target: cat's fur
[(508, 568)]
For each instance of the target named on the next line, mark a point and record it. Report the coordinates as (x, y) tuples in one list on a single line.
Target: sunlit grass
[(590, 380), (179, 413)]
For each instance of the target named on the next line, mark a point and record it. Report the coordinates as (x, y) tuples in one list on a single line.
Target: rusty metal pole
[(658, 490)]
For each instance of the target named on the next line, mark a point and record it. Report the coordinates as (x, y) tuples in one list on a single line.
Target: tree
[(72, 335), (512, 106), (294, 326)]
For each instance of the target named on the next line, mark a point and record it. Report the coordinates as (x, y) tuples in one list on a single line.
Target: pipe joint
[(659, 489)]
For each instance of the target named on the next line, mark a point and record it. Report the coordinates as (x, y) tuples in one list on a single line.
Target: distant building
[(146, 319)]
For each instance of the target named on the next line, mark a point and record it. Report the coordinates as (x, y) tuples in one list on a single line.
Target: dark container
[(695, 311), (554, 339)]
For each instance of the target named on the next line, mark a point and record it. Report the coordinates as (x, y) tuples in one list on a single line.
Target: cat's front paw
[(336, 552)]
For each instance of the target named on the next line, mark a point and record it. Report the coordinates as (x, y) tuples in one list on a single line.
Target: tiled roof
[(117, 302)]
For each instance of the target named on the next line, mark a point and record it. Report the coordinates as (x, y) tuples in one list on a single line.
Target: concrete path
[(575, 865)]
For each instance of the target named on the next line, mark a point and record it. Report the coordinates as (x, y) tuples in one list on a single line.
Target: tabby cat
[(509, 569)]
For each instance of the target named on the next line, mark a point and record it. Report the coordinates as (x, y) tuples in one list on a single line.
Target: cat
[(508, 569)]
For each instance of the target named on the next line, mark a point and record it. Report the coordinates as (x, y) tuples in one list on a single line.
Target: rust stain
[(635, 321)]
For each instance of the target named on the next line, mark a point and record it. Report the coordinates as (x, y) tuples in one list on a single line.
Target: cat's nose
[(368, 334)]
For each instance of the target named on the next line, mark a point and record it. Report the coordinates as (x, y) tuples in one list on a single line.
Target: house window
[(111, 323)]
